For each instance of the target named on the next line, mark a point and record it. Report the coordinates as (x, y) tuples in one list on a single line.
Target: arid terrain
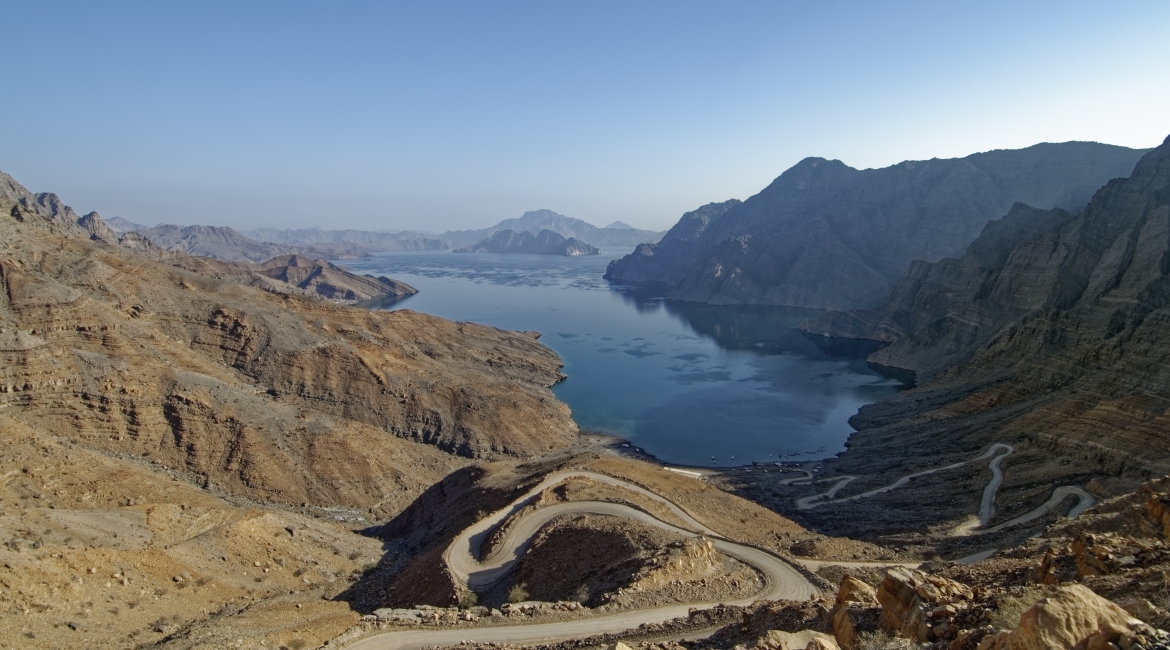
[(209, 454)]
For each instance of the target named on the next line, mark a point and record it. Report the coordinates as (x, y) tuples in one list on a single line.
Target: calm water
[(684, 381)]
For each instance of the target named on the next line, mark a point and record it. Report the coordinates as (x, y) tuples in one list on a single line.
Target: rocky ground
[(188, 462)]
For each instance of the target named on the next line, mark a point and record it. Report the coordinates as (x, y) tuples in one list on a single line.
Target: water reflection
[(686, 381)]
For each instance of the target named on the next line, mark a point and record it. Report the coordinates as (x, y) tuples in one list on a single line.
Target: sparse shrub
[(518, 593), (1009, 608), (582, 594), (881, 640), (468, 600), (354, 555)]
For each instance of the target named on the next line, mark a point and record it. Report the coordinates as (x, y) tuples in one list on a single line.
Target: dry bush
[(1009, 608)]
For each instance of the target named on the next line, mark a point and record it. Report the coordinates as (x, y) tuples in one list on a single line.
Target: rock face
[(546, 242), (1056, 328), (667, 261), (217, 242), (824, 235), (616, 234), (273, 397), (298, 275)]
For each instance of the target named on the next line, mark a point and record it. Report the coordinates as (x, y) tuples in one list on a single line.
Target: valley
[(205, 453)]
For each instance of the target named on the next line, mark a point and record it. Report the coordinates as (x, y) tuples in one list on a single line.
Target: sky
[(442, 115)]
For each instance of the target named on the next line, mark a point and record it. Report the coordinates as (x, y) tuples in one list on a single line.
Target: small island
[(546, 242)]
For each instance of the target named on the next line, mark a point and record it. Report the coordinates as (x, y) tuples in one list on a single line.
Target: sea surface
[(691, 384)]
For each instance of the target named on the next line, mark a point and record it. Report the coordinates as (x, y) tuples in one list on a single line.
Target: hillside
[(156, 420), (1052, 333), (825, 235), (545, 242)]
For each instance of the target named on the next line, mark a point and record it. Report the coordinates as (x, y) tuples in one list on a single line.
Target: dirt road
[(781, 580)]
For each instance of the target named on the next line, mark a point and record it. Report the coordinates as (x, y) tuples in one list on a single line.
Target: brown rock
[(851, 619), (903, 608), (853, 590), (1071, 618), (781, 640)]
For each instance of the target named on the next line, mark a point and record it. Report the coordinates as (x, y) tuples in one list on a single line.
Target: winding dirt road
[(997, 453), (781, 580)]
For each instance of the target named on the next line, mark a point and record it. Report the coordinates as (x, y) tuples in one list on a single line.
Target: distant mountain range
[(545, 242), (615, 234), (349, 243), (825, 235), (261, 244)]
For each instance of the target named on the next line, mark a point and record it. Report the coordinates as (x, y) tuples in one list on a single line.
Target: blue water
[(686, 382)]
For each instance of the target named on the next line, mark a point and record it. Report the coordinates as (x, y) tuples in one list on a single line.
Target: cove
[(692, 384)]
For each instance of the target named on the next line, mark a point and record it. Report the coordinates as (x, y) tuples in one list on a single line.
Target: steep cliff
[(828, 236), (1051, 333)]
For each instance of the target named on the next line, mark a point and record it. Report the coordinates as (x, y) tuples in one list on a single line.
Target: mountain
[(546, 242), (219, 242), (568, 227), (168, 433), (1051, 333), (825, 235), (299, 275), (120, 225), (348, 243)]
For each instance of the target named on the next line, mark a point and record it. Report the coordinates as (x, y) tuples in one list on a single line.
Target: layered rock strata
[(269, 396), (1052, 331)]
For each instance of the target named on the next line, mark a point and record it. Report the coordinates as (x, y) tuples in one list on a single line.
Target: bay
[(691, 384)]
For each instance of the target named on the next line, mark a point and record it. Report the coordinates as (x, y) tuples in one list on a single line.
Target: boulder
[(851, 619), (781, 640), (853, 590), (908, 597), (1073, 617)]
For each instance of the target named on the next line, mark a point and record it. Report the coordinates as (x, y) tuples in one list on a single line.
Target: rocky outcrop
[(855, 611), (324, 279), (1073, 617), (912, 600), (825, 235), (299, 275), (546, 242)]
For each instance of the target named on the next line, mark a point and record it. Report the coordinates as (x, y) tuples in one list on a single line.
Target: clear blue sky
[(441, 115)]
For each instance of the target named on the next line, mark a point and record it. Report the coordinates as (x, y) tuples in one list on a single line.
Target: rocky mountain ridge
[(1052, 333), (825, 235), (545, 242), (300, 275), (617, 234), (338, 244)]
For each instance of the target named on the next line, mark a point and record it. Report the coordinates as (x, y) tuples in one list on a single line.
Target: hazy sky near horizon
[(441, 115)]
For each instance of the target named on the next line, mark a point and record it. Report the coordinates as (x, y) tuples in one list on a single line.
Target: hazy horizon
[(458, 115)]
